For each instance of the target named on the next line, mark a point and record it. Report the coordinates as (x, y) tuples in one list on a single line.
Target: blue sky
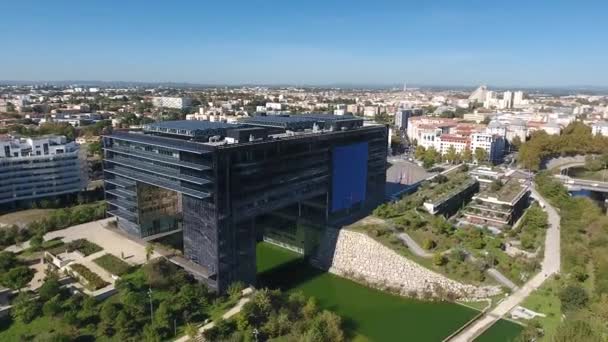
[(457, 42)]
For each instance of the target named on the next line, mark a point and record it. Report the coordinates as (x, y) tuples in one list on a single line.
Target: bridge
[(577, 184)]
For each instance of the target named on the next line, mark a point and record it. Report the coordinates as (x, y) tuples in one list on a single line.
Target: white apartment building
[(32, 168), (171, 102), (600, 128), (494, 145), (447, 141)]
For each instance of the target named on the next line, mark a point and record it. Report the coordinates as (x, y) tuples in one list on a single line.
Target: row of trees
[(431, 156), (575, 139), (57, 219)]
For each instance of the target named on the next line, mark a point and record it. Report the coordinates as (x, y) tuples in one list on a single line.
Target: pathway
[(415, 248), (549, 266)]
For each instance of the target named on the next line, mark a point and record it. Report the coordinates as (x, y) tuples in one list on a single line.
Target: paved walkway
[(413, 246), (549, 266)]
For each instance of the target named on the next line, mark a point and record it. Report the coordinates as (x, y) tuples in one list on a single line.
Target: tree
[(25, 308), (107, 318), (163, 318), (310, 309), (8, 260), (516, 142), (125, 326), (467, 155), (451, 155), (325, 328), (37, 240), (191, 330), (235, 289), (52, 306), (149, 251), (481, 156), (420, 152), (573, 297), (50, 288), (18, 277), (576, 330), (431, 156)]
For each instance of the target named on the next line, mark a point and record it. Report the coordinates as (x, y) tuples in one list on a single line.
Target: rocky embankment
[(359, 257)]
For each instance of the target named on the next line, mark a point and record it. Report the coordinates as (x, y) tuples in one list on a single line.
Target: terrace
[(498, 205), (457, 190)]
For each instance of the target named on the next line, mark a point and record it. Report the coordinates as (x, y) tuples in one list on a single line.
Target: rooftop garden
[(443, 188), (504, 192)]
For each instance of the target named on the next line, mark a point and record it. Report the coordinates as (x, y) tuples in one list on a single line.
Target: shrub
[(573, 297), (428, 244), (439, 259)]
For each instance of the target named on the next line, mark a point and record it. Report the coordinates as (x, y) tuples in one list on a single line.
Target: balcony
[(156, 181), (155, 157), (159, 170)]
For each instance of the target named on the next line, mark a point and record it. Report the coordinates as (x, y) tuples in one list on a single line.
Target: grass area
[(24, 217), (461, 271), (545, 300), (46, 245), (477, 305), (368, 314), (501, 331), (38, 329), (113, 264), (84, 246)]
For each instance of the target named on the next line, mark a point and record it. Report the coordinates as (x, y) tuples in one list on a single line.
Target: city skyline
[(503, 45)]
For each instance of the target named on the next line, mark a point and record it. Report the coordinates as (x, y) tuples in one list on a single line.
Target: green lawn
[(113, 264), (501, 331), (369, 314), (15, 331), (545, 300), (24, 217)]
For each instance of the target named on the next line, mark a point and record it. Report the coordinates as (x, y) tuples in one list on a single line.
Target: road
[(413, 246), (550, 265)]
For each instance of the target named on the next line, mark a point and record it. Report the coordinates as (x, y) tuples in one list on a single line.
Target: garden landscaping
[(113, 264)]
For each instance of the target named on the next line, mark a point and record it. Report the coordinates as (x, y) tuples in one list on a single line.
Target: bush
[(573, 297), (428, 244), (439, 259)]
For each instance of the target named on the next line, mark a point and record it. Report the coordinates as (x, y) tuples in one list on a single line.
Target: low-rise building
[(499, 205)]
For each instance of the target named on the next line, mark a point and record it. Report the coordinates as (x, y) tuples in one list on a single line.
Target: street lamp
[(151, 307)]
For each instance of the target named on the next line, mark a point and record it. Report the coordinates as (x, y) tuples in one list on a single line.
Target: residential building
[(171, 102), (494, 145), (36, 168), (225, 186), (600, 128)]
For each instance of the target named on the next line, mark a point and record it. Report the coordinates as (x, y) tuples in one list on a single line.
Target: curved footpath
[(550, 265)]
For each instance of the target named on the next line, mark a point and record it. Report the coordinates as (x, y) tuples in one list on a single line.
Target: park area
[(368, 314)]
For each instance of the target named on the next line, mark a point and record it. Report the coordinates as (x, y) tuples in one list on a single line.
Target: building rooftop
[(189, 128), (508, 193)]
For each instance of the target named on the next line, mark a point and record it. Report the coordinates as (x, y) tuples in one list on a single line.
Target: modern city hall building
[(226, 186)]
